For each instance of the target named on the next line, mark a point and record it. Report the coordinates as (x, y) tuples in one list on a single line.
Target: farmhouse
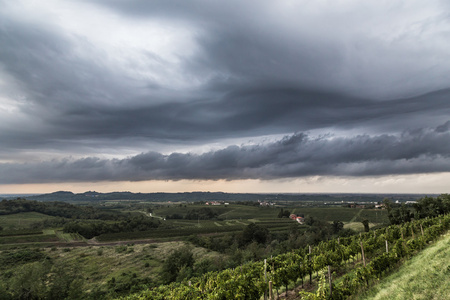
[(300, 220)]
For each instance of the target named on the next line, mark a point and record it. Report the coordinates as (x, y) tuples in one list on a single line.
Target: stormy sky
[(297, 96)]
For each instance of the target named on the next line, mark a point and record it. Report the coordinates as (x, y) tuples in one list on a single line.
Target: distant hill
[(218, 196)]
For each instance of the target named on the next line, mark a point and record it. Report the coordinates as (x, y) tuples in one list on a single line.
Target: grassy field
[(426, 276), (21, 220), (99, 264)]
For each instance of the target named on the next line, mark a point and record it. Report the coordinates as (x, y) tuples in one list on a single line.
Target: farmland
[(122, 246)]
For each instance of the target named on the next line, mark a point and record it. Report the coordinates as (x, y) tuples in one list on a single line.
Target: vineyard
[(353, 262)]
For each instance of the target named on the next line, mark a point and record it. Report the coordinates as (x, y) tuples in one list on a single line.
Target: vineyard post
[(273, 267), (412, 232), (338, 241), (362, 252), (303, 274), (265, 278), (309, 267), (329, 279), (270, 291), (421, 229), (387, 246)]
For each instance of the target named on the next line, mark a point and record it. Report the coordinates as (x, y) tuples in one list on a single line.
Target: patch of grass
[(21, 220), (28, 239), (425, 276), (356, 226)]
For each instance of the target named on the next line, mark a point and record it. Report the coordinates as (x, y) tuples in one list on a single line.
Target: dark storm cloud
[(298, 155), (258, 68), (254, 112)]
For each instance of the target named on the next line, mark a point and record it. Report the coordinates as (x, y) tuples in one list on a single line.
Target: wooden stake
[(412, 232), (387, 247), (270, 291), (421, 229), (310, 273), (329, 280), (362, 252), (265, 277)]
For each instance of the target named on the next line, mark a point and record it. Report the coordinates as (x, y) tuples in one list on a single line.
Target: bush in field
[(254, 233), (92, 229), (178, 263), (125, 283), (21, 256)]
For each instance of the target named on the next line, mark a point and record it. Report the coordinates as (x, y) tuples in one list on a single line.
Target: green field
[(425, 276), (238, 212), (231, 218), (21, 220), (134, 255), (100, 264)]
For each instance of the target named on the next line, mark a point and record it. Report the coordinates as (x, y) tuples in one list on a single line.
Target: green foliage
[(321, 292), (21, 256), (284, 213), (121, 249), (20, 232), (204, 213), (246, 282), (126, 283), (426, 207), (400, 215), (425, 276), (366, 225), (130, 224), (337, 226), (254, 233), (432, 207), (29, 281), (178, 265), (58, 209)]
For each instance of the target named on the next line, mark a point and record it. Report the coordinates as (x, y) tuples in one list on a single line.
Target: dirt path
[(356, 216)]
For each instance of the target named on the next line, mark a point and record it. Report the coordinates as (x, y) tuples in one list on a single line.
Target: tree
[(180, 259), (62, 282), (337, 226), (400, 215), (29, 281), (366, 225), (254, 233), (387, 204), (284, 214)]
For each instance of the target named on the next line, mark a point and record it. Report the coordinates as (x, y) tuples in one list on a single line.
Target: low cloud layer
[(415, 151)]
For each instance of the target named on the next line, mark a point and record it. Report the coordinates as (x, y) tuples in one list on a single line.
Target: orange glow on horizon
[(436, 183)]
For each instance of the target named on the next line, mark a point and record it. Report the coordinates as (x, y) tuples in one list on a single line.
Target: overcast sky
[(294, 96)]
